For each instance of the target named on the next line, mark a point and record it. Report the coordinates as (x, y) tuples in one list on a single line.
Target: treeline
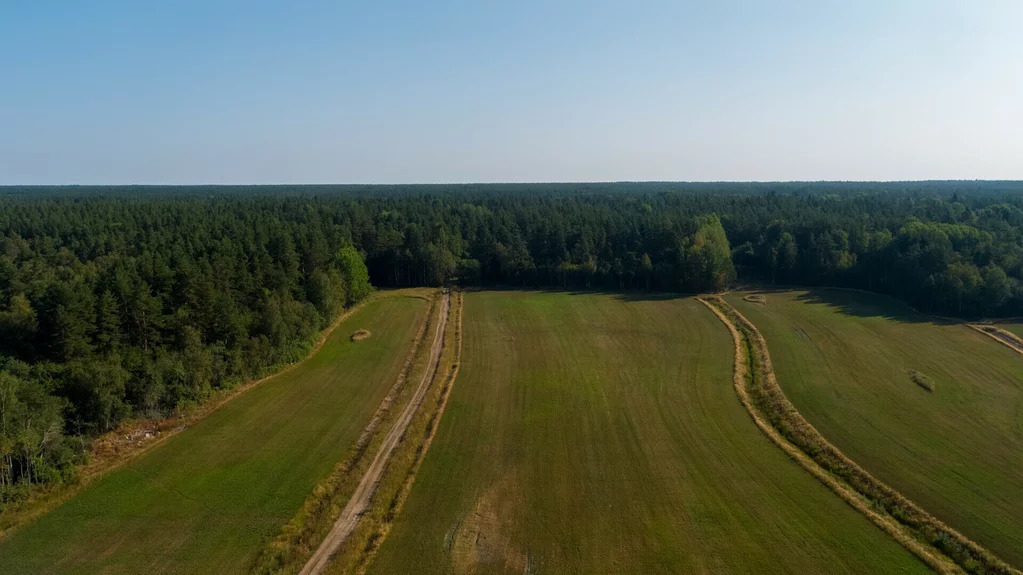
[(952, 248), (960, 255), (113, 308), (119, 302)]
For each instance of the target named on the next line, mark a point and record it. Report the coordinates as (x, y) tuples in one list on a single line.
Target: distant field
[(207, 499), (846, 359), (593, 434)]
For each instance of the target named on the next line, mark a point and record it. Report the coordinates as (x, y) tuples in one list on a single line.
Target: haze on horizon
[(120, 92)]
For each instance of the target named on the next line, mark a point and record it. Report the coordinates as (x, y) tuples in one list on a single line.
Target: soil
[(360, 500)]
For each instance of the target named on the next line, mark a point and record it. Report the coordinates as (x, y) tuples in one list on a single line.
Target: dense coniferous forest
[(112, 307), (134, 301)]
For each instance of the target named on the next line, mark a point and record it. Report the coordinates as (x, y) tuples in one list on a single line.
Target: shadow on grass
[(857, 303), (649, 296), (625, 295)]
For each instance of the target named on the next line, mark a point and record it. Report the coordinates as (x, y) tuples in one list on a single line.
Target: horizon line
[(507, 183)]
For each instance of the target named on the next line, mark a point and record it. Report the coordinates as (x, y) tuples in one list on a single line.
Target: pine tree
[(108, 323)]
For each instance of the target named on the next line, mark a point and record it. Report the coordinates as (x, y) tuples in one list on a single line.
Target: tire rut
[(363, 495)]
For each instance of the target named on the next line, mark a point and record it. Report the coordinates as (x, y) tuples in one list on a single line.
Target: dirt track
[(360, 500)]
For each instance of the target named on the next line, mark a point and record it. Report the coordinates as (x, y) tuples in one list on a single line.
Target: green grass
[(1014, 327), (922, 380), (208, 498), (593, 434), (842, 358)]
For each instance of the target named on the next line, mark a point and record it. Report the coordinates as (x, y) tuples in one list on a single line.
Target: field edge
[(288, 550), (911, 526), (47, 499), (397, 483)]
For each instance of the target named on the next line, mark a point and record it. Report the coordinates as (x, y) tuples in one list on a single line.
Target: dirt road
[(360, 500)]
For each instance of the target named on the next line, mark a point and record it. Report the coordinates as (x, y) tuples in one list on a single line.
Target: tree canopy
[(121, 302)]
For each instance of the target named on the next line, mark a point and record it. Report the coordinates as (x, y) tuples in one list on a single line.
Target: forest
[(121, 302)]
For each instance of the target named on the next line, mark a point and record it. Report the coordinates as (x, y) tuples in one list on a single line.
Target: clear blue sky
[(388, 92)]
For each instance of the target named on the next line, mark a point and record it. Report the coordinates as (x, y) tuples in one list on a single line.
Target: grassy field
[(594, 434), (1014, 327), (208, 498), (852, 363)]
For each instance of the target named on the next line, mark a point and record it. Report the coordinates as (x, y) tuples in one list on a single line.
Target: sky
[(232, 92)]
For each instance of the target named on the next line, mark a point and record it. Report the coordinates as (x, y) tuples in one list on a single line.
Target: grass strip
[(297, 540), (396, 483), (941, 547)]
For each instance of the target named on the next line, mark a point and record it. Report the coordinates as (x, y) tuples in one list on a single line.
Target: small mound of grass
[(361, 334), (921, 380), (756, 298)]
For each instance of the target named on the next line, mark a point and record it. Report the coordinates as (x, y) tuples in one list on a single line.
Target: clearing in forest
[(209, 497), (846, 361), (597, 434)]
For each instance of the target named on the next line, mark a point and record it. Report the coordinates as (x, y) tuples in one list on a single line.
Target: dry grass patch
[(482, 539), (756, 298), (361, 335)]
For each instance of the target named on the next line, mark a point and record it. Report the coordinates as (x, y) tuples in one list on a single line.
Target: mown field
[(598, 434), (207, 499), (846, 361)]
